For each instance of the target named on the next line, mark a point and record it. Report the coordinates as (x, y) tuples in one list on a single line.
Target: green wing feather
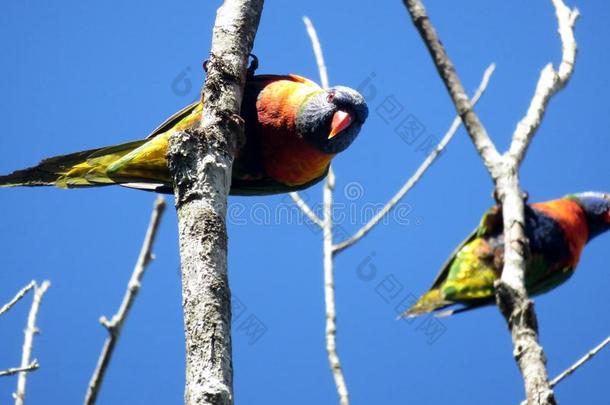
[(80, 169), (468, 274), (172, 121), (488, 225)]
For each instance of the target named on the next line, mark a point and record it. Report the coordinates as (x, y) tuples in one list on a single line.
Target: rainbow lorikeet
[(293, 130), (557, 231)]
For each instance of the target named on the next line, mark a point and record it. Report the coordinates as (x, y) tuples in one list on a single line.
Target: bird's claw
[(253, 65), (251, 68)]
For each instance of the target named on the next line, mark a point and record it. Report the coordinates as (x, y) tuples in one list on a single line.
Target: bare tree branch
[(511, 294), (326, 224), (317, 50), (549, 84), (33, 366), (446, 70), (115, 325), (329, 292), (28, 341), (17, 297), (580, 362), (200, 162), (306, 209), (418, 173)]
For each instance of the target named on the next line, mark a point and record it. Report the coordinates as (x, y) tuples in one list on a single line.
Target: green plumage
[(557, 231)]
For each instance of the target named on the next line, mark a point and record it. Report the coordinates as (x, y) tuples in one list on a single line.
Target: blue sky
[(78, 75)]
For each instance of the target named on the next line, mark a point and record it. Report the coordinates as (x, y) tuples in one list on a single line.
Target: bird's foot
[(251, 68), (253, 65)]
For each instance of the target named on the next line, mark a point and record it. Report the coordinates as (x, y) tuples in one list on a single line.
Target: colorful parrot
[(557, 230), (293, 130)]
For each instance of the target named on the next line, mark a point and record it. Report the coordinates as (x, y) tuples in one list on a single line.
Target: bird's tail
[(81, 169), (430, 301)]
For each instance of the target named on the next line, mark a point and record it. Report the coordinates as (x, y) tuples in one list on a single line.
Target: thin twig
[(306, 209), (549, 83), (327, 228), (418, 173), (28, 341), (34, 365), (329, 292), (115, 325), (317, 50), (580, 362), (446, 70), (17, 297)]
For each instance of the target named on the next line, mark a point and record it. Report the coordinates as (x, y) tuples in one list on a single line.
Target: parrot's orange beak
[(341, 120)]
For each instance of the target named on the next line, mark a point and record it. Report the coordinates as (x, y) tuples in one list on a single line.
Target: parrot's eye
[(330, 96)]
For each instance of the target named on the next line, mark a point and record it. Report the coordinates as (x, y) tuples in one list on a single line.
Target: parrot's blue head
[(331, 119), (596, 206)]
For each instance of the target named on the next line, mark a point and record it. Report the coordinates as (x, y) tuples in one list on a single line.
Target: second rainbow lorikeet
[(557, 230), (293, 128)]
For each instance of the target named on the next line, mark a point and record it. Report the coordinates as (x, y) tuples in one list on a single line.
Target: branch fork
[(511, 294)]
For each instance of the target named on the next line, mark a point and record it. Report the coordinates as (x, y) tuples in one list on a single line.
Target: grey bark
[(200, 161)]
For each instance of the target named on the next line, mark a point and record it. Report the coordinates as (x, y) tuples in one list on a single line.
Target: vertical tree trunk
[(200, 161)]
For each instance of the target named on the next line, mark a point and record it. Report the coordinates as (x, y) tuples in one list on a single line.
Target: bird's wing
[(173, 120), (147, 162), (473, 272), (144, 164), (491, 223), (444, 271)]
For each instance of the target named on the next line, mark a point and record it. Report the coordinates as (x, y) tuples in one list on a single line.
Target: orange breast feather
[(287, 157), (572, 220)]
